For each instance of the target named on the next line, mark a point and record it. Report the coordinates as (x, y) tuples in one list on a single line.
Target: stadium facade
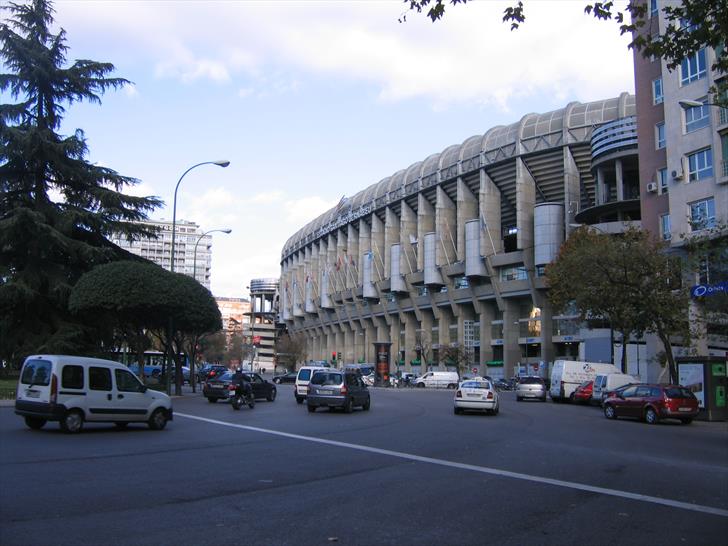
[(448, 255)]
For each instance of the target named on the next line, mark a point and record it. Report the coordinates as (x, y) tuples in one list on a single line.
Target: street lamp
[(194, 262), (220, 163), (687, 103)]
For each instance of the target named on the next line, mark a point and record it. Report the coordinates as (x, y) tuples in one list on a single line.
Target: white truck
[(566, 375)]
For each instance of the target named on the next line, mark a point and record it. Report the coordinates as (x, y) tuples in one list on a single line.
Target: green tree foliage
[(691, 25), (139, 299), (212, 347), (47, 242), (628, 280)]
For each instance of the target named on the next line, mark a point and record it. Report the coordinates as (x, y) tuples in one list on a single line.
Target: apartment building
[(193, 248)]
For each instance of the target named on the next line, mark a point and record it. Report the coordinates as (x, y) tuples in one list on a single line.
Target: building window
[(660, 135), (700, 165), (657, 96), (653, 8), (697, 117), (665, 227), (662, 180), (693, 68), (702, 214), (513, 273)]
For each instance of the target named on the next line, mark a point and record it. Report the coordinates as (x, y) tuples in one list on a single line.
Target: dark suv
[(652, 403), (337, 389)]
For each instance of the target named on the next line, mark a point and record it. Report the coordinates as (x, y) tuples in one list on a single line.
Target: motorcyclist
[(242, 384)]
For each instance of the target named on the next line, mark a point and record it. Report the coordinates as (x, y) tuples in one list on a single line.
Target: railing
[(615, 135)]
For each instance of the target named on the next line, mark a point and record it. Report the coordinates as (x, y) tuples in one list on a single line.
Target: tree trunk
[(624, 352), (670, 357)]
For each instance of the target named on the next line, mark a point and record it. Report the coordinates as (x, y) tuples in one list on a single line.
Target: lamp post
[(194, 262), (194, 276), (220, 163)]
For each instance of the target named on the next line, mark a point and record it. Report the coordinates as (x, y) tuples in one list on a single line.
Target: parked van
[(75, 389), (607, 382), (302, 380), (566, 375), (438, 379)]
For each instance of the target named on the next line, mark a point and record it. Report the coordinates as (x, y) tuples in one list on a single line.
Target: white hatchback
[(476, 394)]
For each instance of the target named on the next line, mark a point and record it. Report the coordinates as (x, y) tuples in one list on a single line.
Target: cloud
[(268, 197), (301, 211), (470, 56)]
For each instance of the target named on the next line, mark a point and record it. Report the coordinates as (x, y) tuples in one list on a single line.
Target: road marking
[(474, 468)]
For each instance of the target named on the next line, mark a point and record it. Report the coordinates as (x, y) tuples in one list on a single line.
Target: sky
[(313, 100)]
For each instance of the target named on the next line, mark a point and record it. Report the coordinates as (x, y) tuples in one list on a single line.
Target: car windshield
[(531, 380), (227, 376), (475, 385), (326, 378), (36, 372), (678, 392)]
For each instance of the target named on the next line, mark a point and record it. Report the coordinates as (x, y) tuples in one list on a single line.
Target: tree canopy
[(57, 210), (628, 280), (139, 299)]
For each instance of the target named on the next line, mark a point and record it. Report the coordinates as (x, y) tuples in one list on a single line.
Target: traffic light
[(338, 357), (333, 357)]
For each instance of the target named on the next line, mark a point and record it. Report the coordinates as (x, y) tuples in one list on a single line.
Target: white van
[(74, 389), (566, 375), (604, 383), (303, 378), (438, 379)]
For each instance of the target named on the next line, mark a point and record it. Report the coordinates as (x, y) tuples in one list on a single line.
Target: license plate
[(325, 391), (684, 409), (470, 395), (32, 394)]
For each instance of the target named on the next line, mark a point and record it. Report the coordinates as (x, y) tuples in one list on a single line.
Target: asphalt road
[(406, 472)]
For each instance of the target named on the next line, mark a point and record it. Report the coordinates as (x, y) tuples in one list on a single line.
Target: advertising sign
[(690, 376)]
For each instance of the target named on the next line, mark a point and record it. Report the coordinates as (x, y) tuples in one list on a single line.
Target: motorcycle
[(243, 396)]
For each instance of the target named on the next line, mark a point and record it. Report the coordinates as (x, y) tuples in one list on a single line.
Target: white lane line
[(474, 468)]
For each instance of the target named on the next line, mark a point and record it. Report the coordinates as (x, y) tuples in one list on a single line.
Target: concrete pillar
[(425, 224), (525, 201), (365, 245), (491, 241), (341, 265), (410, 327), (467, 209), (446, 228), (352, 256), (391, 236), (572, 189), (511, 349), (407, 236), (377, 238), (619, 179), (486, 317)]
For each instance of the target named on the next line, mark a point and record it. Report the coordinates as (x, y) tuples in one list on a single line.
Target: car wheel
[(271, 395), (311, 408), (212, 400), (457, 411), (651, 416), (36, 423), (72, 422), (544, 398), (609, 412), (367, 404), (571, 398), (686, 420), (519, 398), (121, 425), (420, 385), (451, 386), (348, 407), (277, 381), (299, 400), (496, 410), (158, 420)]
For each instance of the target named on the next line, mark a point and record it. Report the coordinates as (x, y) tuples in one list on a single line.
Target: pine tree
[(47, 243)]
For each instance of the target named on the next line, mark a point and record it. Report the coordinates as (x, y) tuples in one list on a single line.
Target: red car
[(583, 392), (652, 403)]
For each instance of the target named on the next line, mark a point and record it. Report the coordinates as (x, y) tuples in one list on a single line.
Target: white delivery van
[(74, 389), (438, 379), (303, 378), (566, 375), (604, 383)]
